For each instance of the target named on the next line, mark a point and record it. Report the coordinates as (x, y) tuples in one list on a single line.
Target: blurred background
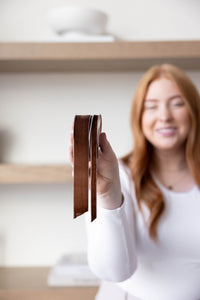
[(37, 109)]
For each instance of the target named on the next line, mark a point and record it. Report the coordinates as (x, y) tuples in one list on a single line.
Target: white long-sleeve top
[(120, 249)]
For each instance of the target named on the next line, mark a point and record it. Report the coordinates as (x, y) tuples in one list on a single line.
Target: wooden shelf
[(29, 283), (13, 174), (112, 56)]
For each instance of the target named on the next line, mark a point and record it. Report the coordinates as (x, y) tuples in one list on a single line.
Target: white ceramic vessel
[(77, 18)]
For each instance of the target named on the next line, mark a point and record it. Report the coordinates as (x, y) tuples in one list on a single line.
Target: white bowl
[(77, 18)]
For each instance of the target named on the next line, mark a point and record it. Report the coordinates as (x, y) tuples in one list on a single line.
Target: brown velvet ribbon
[(85, 149)]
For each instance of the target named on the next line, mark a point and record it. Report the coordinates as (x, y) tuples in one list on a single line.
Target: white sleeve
[(111, 239)]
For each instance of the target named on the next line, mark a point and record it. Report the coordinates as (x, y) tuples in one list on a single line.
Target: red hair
[(138, 160)]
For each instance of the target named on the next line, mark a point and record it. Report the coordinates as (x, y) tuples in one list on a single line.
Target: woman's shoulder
[(125, 175), (127, 185), (124, 168)]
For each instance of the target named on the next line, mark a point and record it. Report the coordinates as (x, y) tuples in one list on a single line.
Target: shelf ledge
[(14, 174), (83, 57)]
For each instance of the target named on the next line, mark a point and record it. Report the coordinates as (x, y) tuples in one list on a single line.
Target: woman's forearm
[(111, 245)]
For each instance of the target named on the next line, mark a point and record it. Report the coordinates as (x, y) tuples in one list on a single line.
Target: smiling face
[(165, 117)]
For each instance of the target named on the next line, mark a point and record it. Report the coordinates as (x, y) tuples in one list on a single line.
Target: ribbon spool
[(87, 129)]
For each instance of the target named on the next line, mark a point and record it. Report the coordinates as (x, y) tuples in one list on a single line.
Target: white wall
[(36, 111), (128, 19)]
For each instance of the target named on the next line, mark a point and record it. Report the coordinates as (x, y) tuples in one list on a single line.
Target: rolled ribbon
[(87, 129)]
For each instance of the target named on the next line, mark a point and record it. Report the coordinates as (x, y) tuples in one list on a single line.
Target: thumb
[(104, 144)]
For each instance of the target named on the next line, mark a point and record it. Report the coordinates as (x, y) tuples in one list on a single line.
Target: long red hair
[(138, 160)]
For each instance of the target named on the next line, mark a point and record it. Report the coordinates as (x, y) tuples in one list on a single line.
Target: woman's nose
[(165, 113)]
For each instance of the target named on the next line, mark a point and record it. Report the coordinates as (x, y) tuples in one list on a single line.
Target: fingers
[(70, 147), (70, 154), (103, 142), (105, 145)]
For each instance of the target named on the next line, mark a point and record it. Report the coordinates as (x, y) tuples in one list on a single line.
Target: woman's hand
[(108, 183)]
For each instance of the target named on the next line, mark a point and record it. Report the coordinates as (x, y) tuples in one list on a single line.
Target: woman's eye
[(178, 104), (150, 106)]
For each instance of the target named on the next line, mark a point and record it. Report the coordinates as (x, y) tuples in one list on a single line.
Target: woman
[(145, 242)]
